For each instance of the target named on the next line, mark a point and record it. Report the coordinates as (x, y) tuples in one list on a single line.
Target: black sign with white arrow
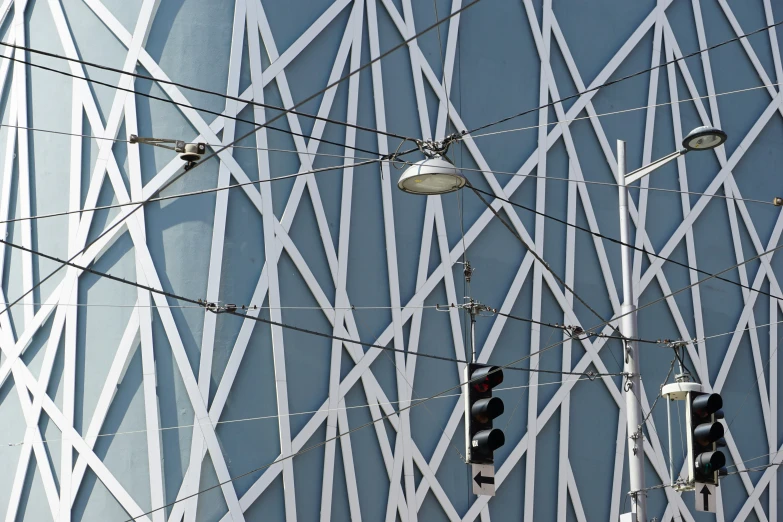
[(705, 497), (484, 479)]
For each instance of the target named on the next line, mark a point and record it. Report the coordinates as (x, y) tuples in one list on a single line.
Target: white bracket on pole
[(679, 391)]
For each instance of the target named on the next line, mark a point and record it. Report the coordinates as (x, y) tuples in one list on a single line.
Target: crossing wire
[(349, 432), (233, 311), (180, 104), (496, 369), (188, 87), (278, 416), (622, 79), (255, 129), (617, 241)]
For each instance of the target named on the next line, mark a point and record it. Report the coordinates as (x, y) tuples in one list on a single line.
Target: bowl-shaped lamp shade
[(704, 138), (431, 176)]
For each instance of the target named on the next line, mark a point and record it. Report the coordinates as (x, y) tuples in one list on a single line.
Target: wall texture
[(115, 401)]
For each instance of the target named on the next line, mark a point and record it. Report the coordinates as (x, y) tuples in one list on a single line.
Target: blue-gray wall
[(115, 401)]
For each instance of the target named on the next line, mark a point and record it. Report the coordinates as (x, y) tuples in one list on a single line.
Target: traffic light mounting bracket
[(679, 391)]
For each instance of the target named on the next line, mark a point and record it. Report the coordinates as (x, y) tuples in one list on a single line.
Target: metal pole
[(671, 452), (472, 331), (632, 386)]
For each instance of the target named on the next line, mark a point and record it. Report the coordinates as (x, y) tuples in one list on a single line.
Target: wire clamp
[(576, 333)]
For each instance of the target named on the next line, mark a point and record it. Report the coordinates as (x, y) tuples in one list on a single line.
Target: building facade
[(123, 402)]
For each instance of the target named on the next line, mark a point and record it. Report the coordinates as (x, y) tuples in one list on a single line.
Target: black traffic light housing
[(705, 434), (480, 408)]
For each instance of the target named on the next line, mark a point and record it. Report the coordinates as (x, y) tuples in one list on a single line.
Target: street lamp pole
[(699, 139), (435, 175), (632, 385)]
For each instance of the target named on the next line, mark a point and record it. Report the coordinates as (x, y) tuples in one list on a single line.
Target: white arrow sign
[(484, 479), (705, 497)]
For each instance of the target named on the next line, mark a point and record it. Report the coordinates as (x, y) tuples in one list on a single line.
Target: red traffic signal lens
[(485, 378)]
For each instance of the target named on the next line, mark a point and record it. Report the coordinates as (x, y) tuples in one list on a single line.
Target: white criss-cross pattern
[(411, 474)]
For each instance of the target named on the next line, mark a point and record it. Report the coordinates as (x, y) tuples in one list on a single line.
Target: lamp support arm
[(638, 174)]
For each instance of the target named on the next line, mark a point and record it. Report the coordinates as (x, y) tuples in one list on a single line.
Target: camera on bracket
[(190, 153)]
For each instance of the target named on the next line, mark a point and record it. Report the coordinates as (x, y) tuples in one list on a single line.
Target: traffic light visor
[(710, 462), (707, 404), (706, 434), (485, 378), (484, 410), (488, 440)]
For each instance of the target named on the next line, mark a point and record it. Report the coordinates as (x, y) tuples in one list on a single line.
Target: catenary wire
[(496, 172), (211, 145), (278, 416), (622, 79), (184, 105), (192, 193), (541, 260), (255, 129), (732, 332), (755, 382), (700, 281), (248, 307), (233, 311), (615, 185), (57, 214), (624, 111), (191, 88), (314, 446), (349, 432), (576, 333), (748, 470), (617, 241)]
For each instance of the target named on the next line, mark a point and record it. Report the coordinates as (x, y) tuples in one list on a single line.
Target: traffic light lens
[(488, 440), (710, 462), (485, 378), (707, 404), (484, 410), (706, 434)]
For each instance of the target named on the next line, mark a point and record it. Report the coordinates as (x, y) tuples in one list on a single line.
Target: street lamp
[(431, 176), (700, 138)]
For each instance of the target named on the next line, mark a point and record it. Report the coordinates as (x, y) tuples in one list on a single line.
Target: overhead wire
[(732, 332), (374, 421), (484, 171), (700, 281), (349, 432), (211, 145), (624, 111), (618, 242), (755, 382), (192, 88), (615, 185), (192, 193), (179, 104), (256, 128), (233, 310), (622, 79), (270, 417), (541, 260)]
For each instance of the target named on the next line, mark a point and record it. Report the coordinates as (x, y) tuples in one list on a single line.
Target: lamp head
[(431, 176), (704, 138)]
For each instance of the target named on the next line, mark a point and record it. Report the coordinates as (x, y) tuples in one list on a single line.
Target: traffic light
[(480, 408), (705, 434)]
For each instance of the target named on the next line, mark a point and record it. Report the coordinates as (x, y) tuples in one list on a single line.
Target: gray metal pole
[(632, 385)]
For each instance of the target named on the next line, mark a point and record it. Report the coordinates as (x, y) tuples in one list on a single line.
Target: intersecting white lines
[(254, 36)]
